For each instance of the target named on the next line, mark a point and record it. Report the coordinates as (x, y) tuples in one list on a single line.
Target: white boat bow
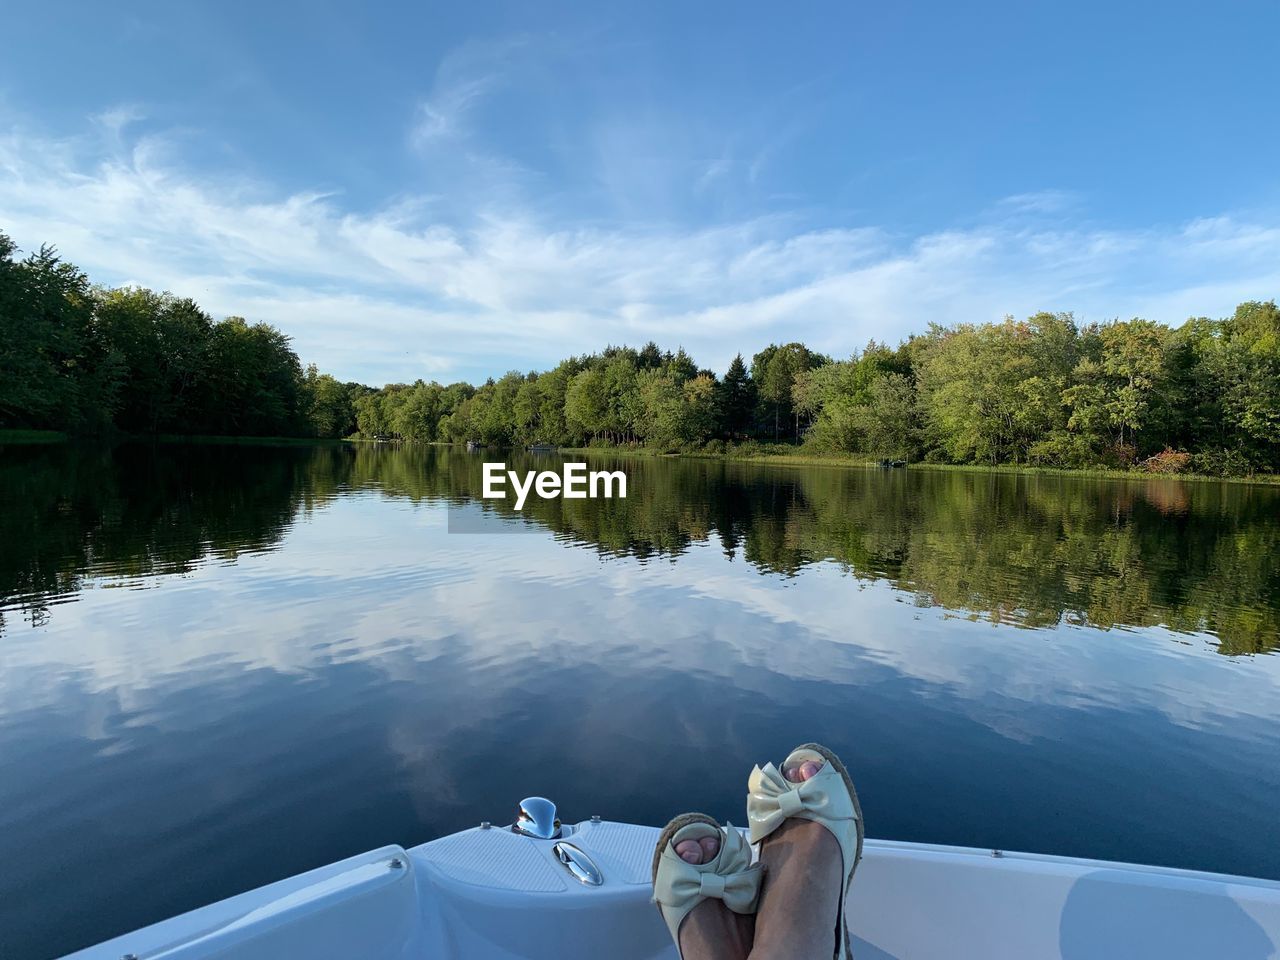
[(493, 894)]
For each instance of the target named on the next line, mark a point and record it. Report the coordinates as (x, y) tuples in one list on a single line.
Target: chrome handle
[(578, 863), (537, 818)]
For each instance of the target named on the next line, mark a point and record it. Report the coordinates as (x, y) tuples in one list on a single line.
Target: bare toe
[(710, 847), (690, 851), (800, 772)]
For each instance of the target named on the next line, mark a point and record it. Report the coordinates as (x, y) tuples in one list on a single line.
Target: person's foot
[(808, 822), (698, 851), (717, 924), (801, 771)]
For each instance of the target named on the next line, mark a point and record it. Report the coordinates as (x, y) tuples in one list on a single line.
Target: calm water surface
[(222, 665)]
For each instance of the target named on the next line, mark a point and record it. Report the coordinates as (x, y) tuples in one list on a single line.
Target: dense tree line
[(78, 358), (1204, 396)]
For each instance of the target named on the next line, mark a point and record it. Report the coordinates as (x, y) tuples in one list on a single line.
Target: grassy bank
[(242, 441), (782, 454), (789, 455), (56, 436), (1101, 473), (32, 436)]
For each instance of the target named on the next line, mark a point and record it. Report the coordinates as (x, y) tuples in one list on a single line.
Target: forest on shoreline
[(1202, 397)]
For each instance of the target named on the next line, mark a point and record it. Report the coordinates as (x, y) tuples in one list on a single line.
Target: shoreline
[(786, 456), (802, 459)]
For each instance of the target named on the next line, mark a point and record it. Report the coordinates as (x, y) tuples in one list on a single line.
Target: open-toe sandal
[(827, 798), (679, 886)]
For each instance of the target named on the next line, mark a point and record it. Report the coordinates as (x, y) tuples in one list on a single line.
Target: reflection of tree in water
[(69, 513), (1032, 551)]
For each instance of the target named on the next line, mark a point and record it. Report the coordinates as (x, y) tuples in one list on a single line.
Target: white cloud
[(441, 114), (399, 292), (117, 118), (1040, 201), (463, 78)]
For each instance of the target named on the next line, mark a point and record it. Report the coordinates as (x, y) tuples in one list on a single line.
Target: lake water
[(221, 665)]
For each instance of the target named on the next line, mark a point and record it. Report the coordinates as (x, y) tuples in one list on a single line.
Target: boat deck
[(490, 894)]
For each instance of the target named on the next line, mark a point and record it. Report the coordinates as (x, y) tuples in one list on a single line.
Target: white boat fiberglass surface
[(493, 893)]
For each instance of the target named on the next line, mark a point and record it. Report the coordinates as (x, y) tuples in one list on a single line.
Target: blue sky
[(452, 191)]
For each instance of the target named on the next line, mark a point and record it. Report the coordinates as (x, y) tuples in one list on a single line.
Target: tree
[(699, 419), (586, 404), (164, 346), (774, 370), (329, 405), (525, 409), (1251, 378), (969, 380), (552, 388), (55, 371), (735, 399), (622, 403), (1133, 357), (650, 357), (888, 420), (417, 415), (255, 381), (675, 412), (1194, 372)]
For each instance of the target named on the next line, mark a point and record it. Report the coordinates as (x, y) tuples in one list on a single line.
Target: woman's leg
[(712, 931), (800, 892)]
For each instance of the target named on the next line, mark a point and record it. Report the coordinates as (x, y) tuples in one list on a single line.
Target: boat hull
[(490, 894)]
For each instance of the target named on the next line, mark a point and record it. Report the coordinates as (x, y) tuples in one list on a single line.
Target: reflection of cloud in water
[(362, 586), (374, 678)]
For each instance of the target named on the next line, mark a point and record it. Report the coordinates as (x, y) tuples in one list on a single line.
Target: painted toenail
[(690, 851)]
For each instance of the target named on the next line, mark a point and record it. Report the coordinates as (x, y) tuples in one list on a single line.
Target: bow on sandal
[(827, 798), (679, 886)]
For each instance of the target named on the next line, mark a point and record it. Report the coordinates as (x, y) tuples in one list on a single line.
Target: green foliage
[(736, 399), (975, 384), (254, 381), (864, 404), (887, 421), (55, 371), (675, 413), (164, 345), (1250, 372), (774, 370), (330, 406), (1037, 391), (79, 359)]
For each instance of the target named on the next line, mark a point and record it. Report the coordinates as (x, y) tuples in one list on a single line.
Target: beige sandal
[(679, 886), (827, 798)]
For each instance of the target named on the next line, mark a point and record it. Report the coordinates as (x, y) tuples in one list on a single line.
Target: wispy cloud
[(441, 115), (397, 292), (117, 118), (462, 80), (1040, 201)]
